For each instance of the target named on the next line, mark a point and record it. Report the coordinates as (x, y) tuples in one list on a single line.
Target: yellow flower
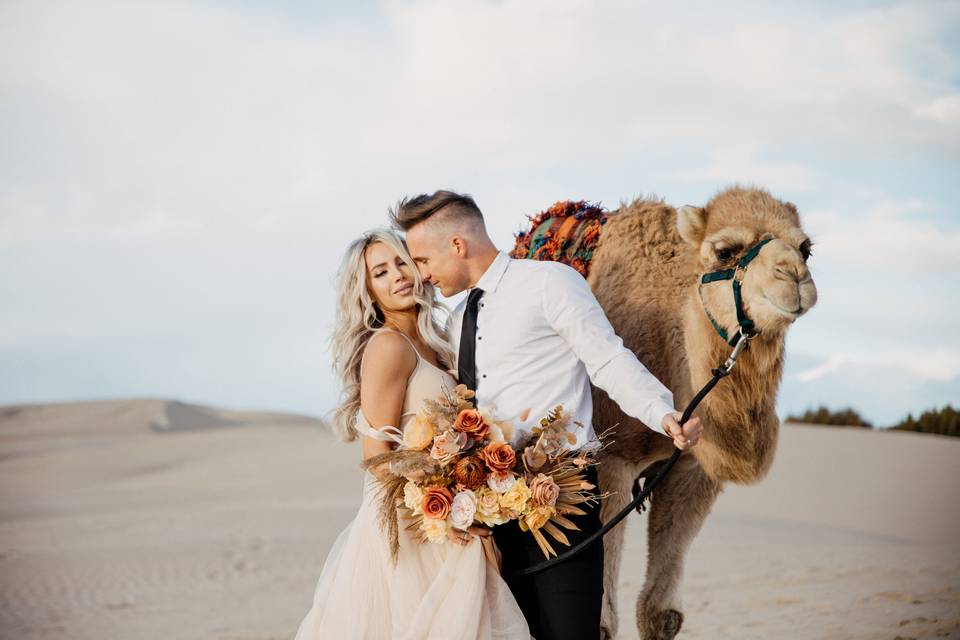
[(434, 530), (516, 498), (538, 517), (418, 435)]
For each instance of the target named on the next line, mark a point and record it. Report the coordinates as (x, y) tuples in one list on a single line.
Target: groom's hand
[(683, 437)]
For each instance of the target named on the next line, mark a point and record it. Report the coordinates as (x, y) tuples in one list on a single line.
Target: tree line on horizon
[(944, 421)]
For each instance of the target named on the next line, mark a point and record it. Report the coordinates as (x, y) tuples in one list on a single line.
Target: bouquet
[(457, 467)]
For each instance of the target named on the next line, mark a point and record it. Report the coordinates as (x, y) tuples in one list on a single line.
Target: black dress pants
[(564, 601)]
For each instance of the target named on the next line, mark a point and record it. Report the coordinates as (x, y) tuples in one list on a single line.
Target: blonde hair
[(358, 316)]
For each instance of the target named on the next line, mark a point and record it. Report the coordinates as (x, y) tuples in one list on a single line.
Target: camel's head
[(776, 286)]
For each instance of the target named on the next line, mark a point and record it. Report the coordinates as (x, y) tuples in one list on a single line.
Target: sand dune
[(155, 519)]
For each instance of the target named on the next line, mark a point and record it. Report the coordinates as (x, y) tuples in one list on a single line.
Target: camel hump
[(568, 232)]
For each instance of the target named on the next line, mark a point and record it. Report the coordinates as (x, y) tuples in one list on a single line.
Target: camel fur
[(645, 274)]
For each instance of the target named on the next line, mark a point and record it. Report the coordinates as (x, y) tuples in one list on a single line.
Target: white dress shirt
[(541, 338)]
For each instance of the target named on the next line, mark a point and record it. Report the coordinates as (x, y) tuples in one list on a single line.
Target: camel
[(645, 271)]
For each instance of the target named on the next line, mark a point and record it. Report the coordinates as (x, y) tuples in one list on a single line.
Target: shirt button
[(484, 375), (479, 337)]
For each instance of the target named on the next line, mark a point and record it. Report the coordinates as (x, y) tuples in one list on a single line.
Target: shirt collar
[(494, 273)]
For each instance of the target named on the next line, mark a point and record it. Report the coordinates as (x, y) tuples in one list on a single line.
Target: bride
[(391, 355)]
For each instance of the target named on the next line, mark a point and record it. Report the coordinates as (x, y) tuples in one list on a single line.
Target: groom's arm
[(574, 313)]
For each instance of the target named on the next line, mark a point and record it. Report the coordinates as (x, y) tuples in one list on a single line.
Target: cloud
[(945, 110), (246, 116), (941, 365), (890, 235), (731, 164), (188, 173)]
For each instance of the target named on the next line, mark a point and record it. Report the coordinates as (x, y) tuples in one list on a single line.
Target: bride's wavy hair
[(358, 316)]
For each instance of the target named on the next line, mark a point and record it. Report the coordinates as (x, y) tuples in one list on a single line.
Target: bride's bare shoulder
[(388, 354)]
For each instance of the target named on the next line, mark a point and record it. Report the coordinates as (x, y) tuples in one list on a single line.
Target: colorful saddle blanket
[(567, 232)]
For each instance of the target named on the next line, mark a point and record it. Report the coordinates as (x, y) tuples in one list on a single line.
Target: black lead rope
[(649, 486)]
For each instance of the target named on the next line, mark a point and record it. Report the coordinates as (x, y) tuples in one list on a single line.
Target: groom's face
[(440, 258)]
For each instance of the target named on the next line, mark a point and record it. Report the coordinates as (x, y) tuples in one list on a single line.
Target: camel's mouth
[(791, 314)]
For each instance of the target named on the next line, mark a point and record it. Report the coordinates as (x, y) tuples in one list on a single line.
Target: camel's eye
[(805, 249), (724, 254)]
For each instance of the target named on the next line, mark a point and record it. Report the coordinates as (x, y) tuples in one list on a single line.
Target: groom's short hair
[(451, 206)]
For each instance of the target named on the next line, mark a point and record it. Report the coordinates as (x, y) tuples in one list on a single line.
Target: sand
[(148, 519)]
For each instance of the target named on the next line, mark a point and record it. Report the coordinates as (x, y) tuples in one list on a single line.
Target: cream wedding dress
[(435, 591)]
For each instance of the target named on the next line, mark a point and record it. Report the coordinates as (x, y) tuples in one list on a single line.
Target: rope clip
[(732, 359)]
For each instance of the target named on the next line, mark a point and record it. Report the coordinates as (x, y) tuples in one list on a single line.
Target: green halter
[(746, 326)]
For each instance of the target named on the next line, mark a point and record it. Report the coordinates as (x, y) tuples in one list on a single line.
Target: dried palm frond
[(542, 542), (401, 462), (568, 470), (390, 496)]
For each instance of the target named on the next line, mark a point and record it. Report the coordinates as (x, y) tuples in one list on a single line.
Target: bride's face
[(389, 279)]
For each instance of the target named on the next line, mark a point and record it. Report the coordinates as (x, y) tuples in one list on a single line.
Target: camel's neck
[(740, 424)]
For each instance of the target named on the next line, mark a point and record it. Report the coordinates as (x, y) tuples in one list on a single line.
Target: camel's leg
[(615, 475), (679, 506)]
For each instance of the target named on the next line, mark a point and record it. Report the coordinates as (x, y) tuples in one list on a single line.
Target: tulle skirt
[(435, 591)]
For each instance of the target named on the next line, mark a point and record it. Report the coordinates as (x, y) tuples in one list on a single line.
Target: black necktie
[(466, 360)]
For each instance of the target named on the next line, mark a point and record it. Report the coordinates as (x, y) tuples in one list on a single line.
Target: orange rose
[(470, 472), (470, 422), (436, 503), (499, 456)]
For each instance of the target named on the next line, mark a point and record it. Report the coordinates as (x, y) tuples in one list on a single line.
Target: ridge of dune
[(121, 416)]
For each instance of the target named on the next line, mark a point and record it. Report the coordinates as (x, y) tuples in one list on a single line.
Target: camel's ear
[(691, 222), (793, 213)]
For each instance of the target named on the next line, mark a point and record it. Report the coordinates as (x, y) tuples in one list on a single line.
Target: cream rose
[(434, 530), (413, 497), (488, 507), (463, 509)]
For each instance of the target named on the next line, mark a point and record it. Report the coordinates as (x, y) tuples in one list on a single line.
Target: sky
[(179, 180)]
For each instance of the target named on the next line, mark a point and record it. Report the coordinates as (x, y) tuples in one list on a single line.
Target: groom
[(529, 336)]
